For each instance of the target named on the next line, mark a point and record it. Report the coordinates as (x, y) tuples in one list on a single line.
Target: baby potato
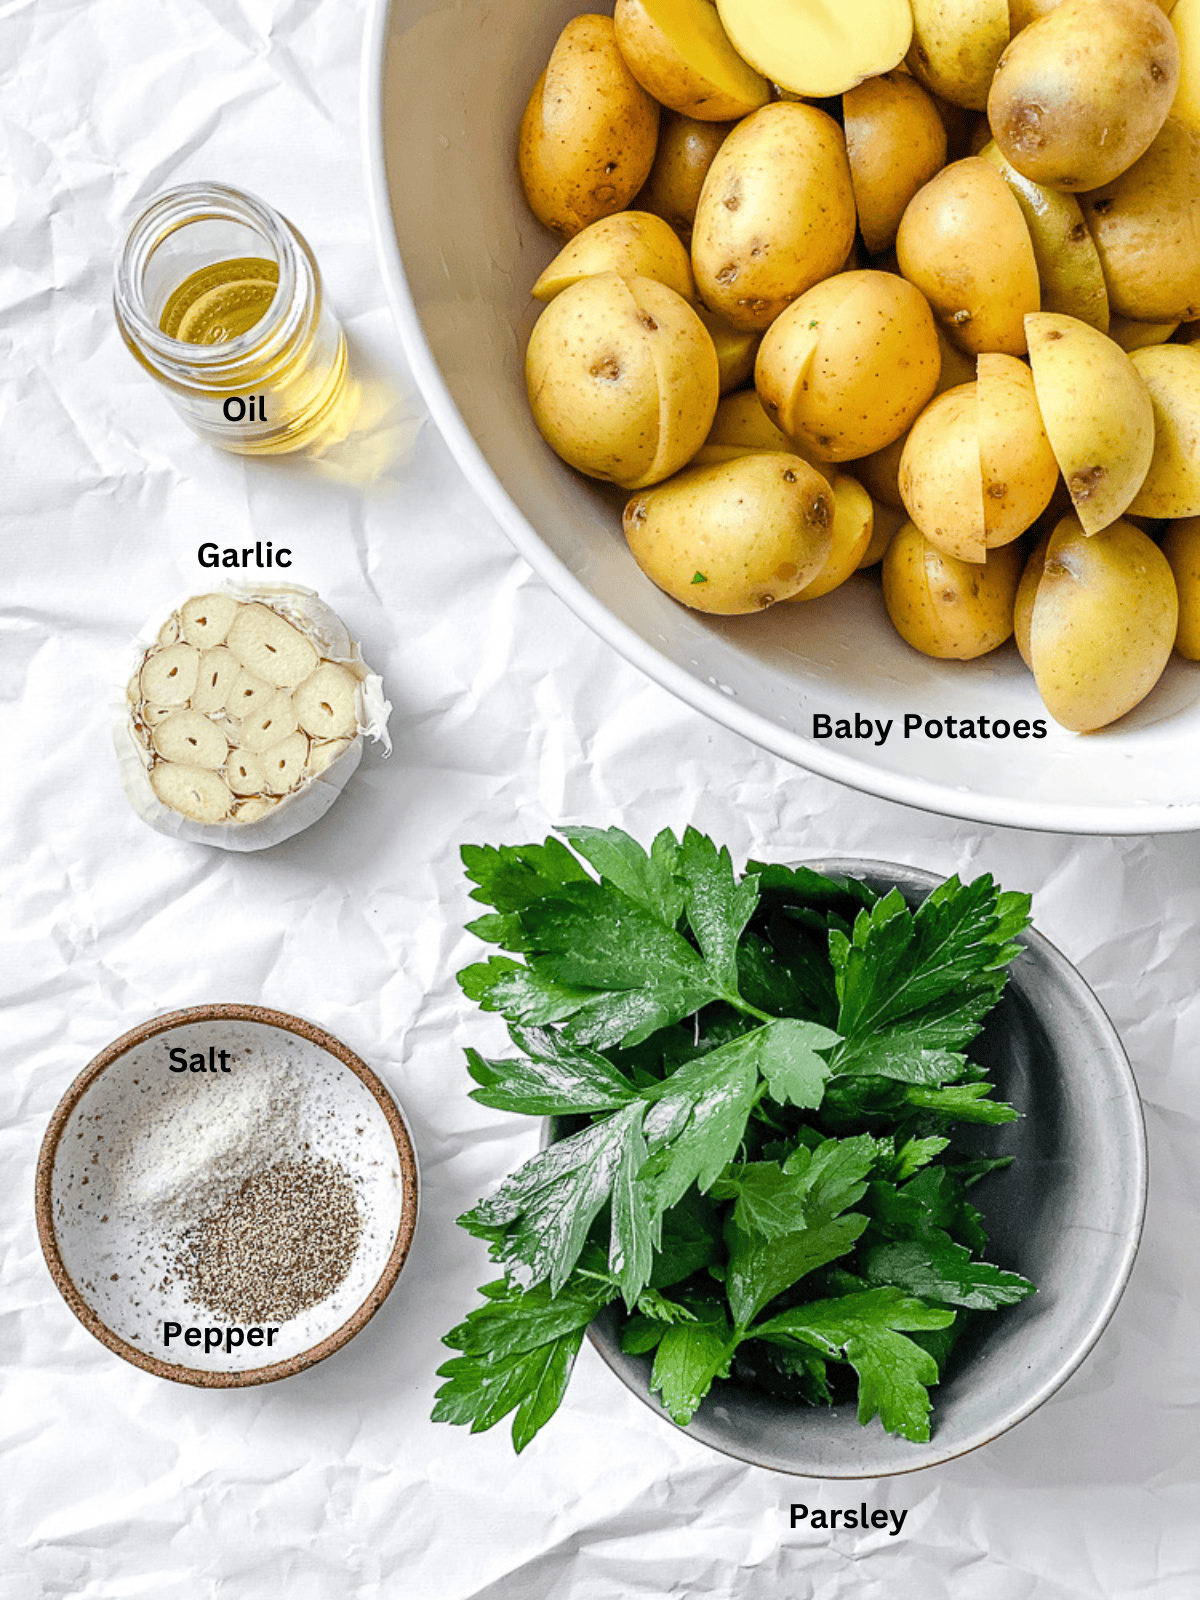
[(1131, 335), (955, 47), (951, 609), (964, 243), (633, 243), (1067, 260), (679, 52), (735, 537), (685, 152), (588, 134), (847, 367), (736, 350), (1018, 465), (941, 479), (622, 378), (895, 142), (776, 214), (885, 525), (1097, 415), (853, 525), (1145, 224), (1171, 488), (1079, 94), (742, 426), (1101, 613), (1181, 546)]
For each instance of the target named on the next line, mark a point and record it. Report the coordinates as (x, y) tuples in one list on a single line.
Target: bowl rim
[(924, 794), (48, 1234), (921, 879)]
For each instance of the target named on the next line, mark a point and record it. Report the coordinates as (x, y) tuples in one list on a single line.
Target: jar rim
[(165, 215)]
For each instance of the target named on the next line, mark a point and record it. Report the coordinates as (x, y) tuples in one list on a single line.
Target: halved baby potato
[(679, 53), (818, 50)]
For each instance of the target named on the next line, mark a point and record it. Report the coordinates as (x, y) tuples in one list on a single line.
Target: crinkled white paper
[(509, 717)]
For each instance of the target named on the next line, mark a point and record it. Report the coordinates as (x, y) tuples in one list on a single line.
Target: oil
[(241, 339), (220, 302)]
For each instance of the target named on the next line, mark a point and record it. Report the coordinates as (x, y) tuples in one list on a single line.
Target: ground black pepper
[(282, 1243)]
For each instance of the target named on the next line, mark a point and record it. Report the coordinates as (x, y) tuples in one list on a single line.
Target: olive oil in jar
[(220, 299)]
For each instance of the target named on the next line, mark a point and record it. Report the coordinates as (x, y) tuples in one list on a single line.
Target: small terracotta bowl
[(113, 1262)]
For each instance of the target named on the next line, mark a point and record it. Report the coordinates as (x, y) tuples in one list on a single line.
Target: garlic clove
[(169, 675), (195, 792), (219, 671), (248, 693), (270, 647), (283, 763), (207, 618), (322, 756), (244, 772), (327, 702), (253, 810), (268, 725), (189, 737), (153, 715), (169, 632)]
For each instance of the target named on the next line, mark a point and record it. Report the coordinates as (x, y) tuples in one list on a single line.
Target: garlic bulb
[(246, 716)]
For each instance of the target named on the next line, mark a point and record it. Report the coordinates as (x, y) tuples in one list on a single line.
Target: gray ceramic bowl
[(1067, 1213)]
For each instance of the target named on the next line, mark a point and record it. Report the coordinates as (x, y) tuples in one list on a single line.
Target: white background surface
[(509, 717)]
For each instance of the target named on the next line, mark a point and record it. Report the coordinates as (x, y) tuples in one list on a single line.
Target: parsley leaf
[(553, 1078), (935, 1268), (893, 1372), (518, 1349), (690, 1356), (649, 879), (718, 908)]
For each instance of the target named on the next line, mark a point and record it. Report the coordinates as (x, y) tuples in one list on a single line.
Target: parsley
[(699, 577), (761, 1078)]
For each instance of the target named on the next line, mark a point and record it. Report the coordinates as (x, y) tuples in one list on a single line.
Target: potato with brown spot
[(736, 537), (1097, 414), (954, 610), (1080, 94), (853, 529), (776, 214), (955, 47), (964, 243), (589, 131), (622, 379), (941, 478), (1018, 465), (1098, 620)]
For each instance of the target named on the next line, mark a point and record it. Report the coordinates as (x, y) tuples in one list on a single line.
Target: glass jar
[(261, 366)]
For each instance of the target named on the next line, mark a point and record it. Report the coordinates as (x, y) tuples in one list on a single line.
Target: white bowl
[(444, 88)]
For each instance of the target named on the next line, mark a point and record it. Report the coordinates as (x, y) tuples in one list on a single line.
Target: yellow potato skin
[(776, 214), (736, 537), (736, 351), (1145, 224), (1069, 271), (633, 243), (1102, 623), (853, 526), (941, 479), (1171, 488), (1097, 414), (587, 138), (956, 44), (1018, 465), (964, 243), (1181, 546), (887, 522), (622, 379), (896, 142), (696, 72), (1079, 94), (954, 610), (686, 148), (846, 369)]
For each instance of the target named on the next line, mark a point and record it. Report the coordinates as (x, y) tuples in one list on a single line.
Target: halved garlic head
[(243, 703)]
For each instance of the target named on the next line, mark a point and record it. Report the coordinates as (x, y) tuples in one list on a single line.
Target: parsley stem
[(748, 1010)]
